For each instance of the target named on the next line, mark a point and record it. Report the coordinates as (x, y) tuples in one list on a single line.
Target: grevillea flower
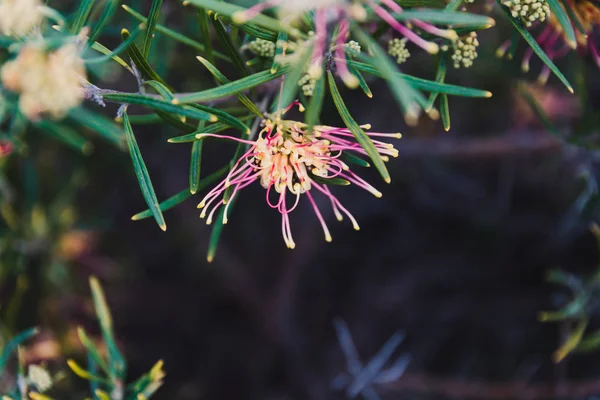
[(289, 161), (341, 12), (19, 17), (48, 83)]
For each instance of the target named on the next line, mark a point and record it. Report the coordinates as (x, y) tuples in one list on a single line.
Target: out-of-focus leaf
[(360, 135), (110, 6), (424, 84), (446, 17), (572, 342), (564, 21), (445, 111), (439, 77), (105, 127), (66, 135), (81, 16), (84, 374), (92, 350), (13, 344)]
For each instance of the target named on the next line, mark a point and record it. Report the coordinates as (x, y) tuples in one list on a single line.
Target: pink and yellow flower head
[(289, 161)]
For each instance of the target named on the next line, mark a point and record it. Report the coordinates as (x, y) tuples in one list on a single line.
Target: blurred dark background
[(455, 254)]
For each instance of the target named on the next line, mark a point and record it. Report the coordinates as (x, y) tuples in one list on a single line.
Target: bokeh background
[(455, 255)]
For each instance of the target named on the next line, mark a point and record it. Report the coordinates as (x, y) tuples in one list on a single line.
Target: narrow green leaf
[(424, 84), (146, 119), (152, 21), (100, 305), (535, 46), (445, 111), (13, 344), (222, 79), (165, 205), (232, 88), (161, 105), (84, 374), (360, 135), (361, 81), (176, 35), (110, 6), (100, 48), (564, 21), (66, 135), (573, 16), (215, 235), (108, 54), (224, 117), (142, 174), (446, 17), (439, 77), (195, 166), (214, 128), (92, 350), (196, 162), (329, 181), (572, 341), (234, 12), (205, 34), (81, 16), (140, 61), (230, 49), (354, 159), (454, 5)]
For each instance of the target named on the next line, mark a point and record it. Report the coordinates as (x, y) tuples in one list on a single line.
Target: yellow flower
[(49, 83), (19, 17)]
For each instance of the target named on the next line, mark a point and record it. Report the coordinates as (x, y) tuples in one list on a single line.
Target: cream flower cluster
[(20, 17), (528, 10), (397, 49), (465, 51), (48, 83)]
